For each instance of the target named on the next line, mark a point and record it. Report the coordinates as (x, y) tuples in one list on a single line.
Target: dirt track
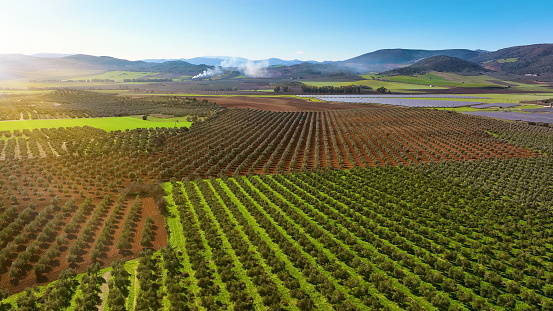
[(277, 103)]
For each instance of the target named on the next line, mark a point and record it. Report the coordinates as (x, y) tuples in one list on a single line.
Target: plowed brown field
[(243, 141), (277, 103)]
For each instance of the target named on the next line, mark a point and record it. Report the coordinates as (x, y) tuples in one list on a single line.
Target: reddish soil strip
[(277, 103), (343, 139)]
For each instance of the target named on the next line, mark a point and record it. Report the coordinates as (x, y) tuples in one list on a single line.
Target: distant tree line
[(348, 89), (281, 89), (288, 86), (383, 90)]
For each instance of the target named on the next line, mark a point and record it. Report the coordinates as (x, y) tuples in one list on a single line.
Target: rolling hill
[(388, 59), (104, 62), (305, 70), (528, 59), (176, 67), (16, 66), (439, 63)]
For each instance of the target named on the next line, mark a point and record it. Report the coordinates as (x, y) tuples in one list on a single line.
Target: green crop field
[(508, 60), (166, 120), (527, 87), (398, 87), (443, 79), (493, 98), (438, 80), (455, 80), (499, 98), (118, 76), (107, 124), (461, 109)]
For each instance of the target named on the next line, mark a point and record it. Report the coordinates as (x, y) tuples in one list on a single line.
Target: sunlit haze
[(322, 30)]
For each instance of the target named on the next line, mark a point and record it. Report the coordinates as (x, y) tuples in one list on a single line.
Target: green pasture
[(182, 78), (118, 76), (446, 79), (163, 119), (460, 109), (465, 109), (439, 80), (495, 98), (390, 85), (107, 124), (455, 80), (514, 98), (530, 87), (169, 119), (507, 60)]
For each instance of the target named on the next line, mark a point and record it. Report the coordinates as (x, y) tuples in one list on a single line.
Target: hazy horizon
[(60, 55), (258, 30)]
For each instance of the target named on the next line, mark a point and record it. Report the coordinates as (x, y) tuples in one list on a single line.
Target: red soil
[(271, 142), (277, 103)]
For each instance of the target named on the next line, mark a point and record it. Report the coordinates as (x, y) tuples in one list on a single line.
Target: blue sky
[(307, 30)]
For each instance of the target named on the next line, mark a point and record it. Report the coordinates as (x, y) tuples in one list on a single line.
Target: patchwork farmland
[(378, 207)]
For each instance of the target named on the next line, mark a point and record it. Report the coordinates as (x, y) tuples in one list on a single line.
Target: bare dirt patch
[(277, 103)]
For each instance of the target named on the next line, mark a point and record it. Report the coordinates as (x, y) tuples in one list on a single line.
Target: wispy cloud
[(300, 52)]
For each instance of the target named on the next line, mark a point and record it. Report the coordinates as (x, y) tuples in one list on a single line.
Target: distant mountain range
[(104, 61), (51, 55), (226, 60), (203, 60), (519, 60)]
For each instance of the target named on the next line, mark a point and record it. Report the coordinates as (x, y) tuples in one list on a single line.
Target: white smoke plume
[(255, 69), (208, 73), (252, 69)]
